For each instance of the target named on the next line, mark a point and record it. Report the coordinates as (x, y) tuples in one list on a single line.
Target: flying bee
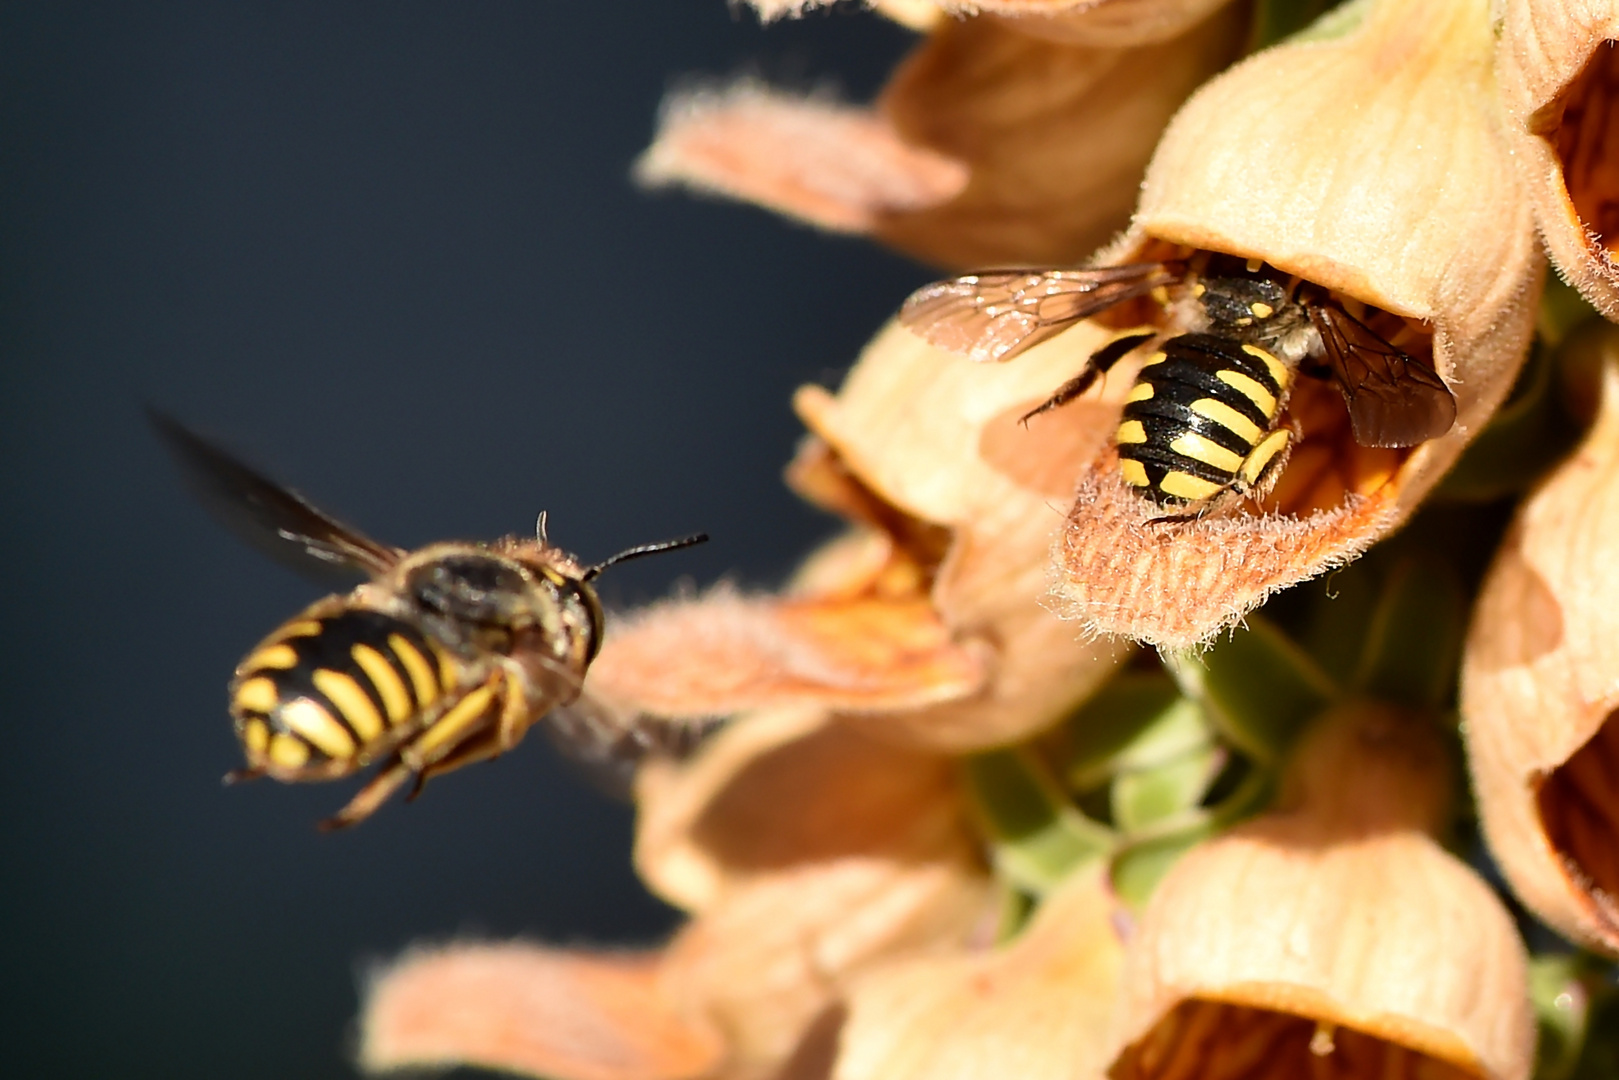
[(446, 656), (1203, 421)]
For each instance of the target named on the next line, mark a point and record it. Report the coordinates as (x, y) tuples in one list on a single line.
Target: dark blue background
[(390, 251)]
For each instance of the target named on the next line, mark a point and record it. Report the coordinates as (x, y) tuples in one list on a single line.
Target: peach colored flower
[(945, 835), (997, 141)]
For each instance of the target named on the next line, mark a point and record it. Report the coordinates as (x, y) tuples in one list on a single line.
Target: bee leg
[(463, 734), (1255, 476), (486, 744), (237, 776), (517, 714), (1065, 393), (1099, 363), (1177, 519), (1262, 466), (481, 747), (373, 795)]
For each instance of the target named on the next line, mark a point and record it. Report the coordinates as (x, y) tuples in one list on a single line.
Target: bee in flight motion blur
[(446, 656), (1202, 424)]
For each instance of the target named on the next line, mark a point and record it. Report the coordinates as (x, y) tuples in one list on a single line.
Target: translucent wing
[(279, 522), (1393, 400), (607, 746), (998, 314)]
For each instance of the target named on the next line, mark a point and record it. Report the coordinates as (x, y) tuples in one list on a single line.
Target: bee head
[(1236, 302)]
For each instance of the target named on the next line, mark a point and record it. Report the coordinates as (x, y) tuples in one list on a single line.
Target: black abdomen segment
[(1198, 410), (321, 695)]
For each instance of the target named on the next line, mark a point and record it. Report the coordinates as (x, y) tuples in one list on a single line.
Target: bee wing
[(998, 314), (607, 745), (279, 522), (1392, 399)]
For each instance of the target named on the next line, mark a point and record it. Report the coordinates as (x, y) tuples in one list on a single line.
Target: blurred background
[(389, 252)]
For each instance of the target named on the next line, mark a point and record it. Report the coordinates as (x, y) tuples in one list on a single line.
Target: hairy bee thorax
[(509, 598), (1248, 302)]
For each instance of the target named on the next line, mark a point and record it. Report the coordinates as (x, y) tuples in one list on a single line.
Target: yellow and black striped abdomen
[(328, 691), (1198, 419)]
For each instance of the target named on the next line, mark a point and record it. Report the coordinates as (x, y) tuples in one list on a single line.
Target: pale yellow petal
[(1098, 22), (1037, 1009), (724, 653), (1055, 134), (779, 789), (1540, 689), (940, 438), (1558, 83), (1331, 929), (777, 951)]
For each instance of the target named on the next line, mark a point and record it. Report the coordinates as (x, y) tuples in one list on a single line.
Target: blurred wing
[(273, 519), (998, 314), (606, 746), (1392, 399)]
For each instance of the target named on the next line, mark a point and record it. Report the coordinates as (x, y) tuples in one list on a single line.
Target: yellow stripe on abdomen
[(1260, 459), (256, 695), (1131, 432), (1202, 448), (391, 688), (1251, 389), (1280, 373), (1229, 418), (319, 727), (1186, 486), (352, 702), (256, 738), (288, 752), (278, 657), (418, 667)]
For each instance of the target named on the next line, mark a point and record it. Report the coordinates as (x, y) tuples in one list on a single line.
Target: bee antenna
[(643, 549), (539, 531)]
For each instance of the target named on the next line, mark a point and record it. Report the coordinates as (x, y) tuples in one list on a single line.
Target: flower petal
[(1038, 1009), (724, 653), (941, 440), (1097, 22), (777, 951), (1558, 81), (1408, 199), (1335, 929), (834, 166), (534, 1011), (1055, 134), (1539, 693), (783, 788)]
